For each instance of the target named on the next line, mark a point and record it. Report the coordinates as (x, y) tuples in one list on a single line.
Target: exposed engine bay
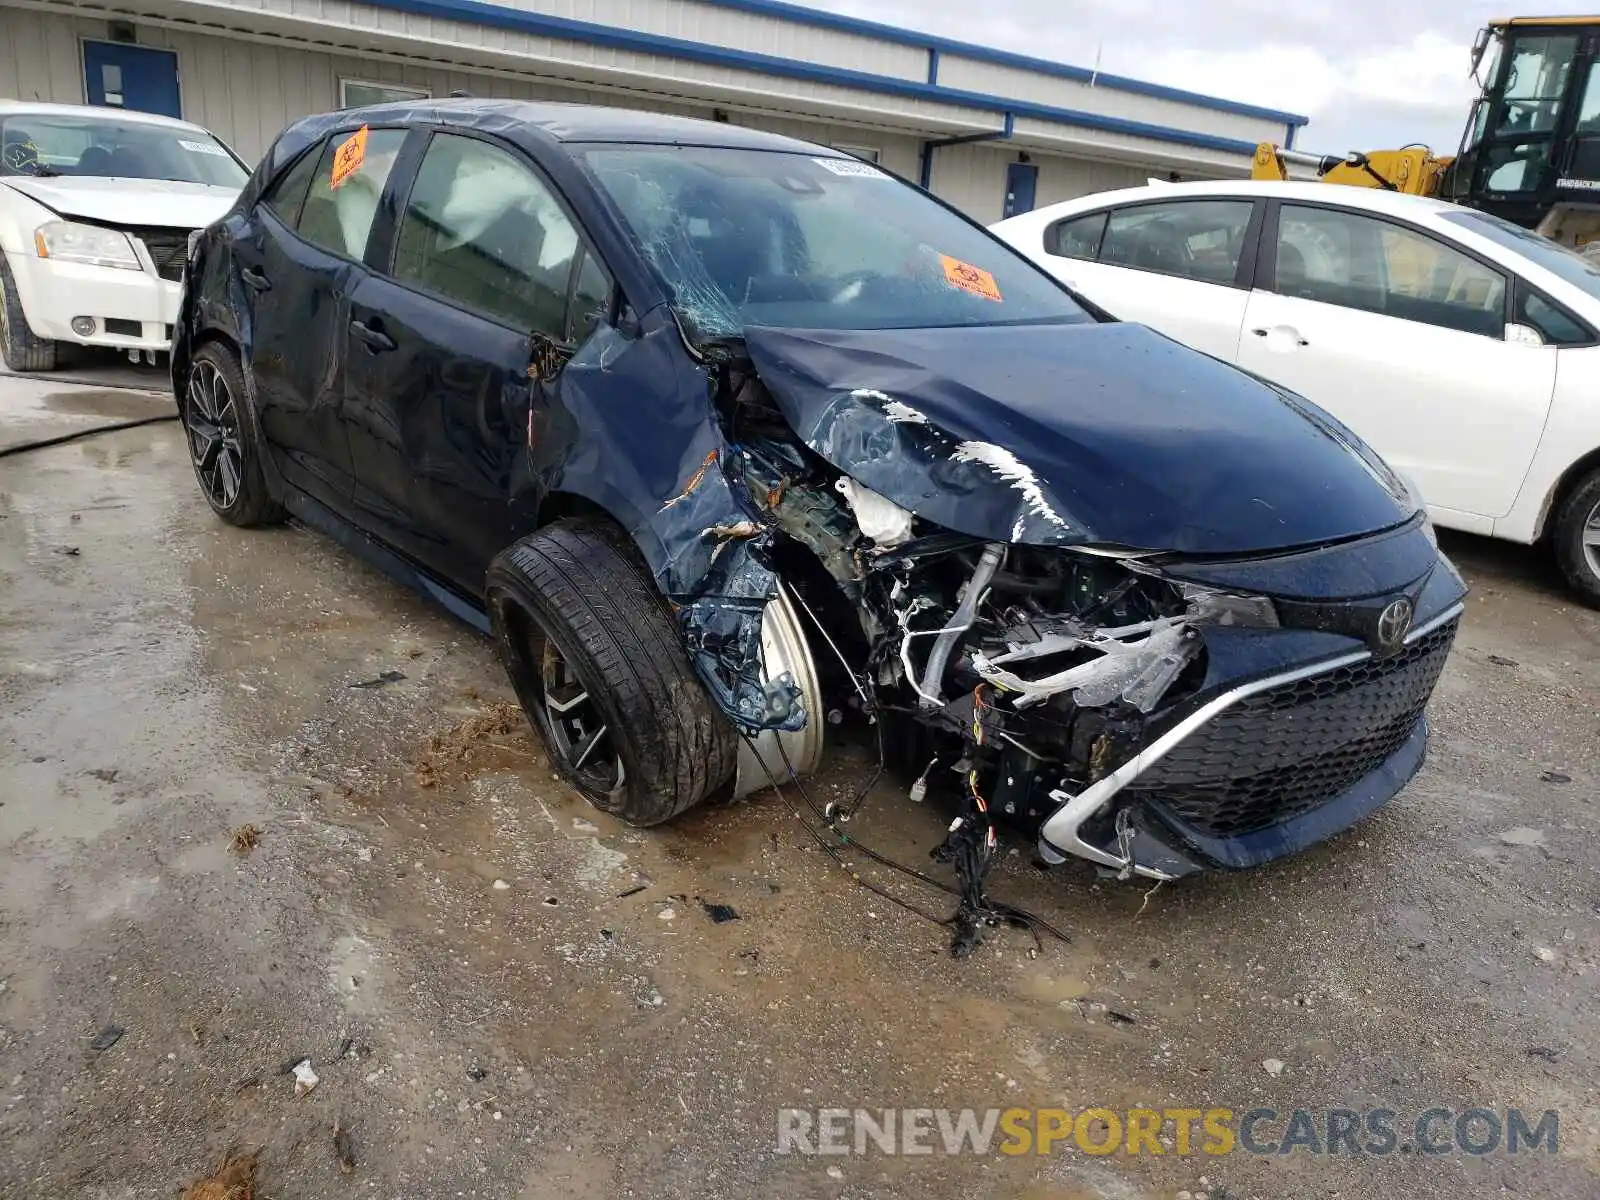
[(1018, 674)]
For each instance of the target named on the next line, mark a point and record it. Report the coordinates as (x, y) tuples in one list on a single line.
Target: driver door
[(451, 348)]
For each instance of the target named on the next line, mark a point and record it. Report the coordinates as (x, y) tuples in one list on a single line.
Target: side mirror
[(1523, 335)]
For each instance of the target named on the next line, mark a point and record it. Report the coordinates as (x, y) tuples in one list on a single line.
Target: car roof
[(1370, 199), (28, 108), (565, 122)]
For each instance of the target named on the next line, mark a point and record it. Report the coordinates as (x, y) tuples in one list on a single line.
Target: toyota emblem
[(1394, 623)]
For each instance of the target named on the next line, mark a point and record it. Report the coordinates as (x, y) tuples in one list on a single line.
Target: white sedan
[(96, 208), (1463, 348)]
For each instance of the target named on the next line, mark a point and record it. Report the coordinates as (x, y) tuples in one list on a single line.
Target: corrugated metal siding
[(246, 91), (1066, 179), (970, 75), (762, 34)]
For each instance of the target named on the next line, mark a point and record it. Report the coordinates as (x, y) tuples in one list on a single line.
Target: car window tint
[(1555, 324), (288, 191), (482, 229), (590, 297), (1197, 239), (1361, 262), (1077, 238), (338, 213)]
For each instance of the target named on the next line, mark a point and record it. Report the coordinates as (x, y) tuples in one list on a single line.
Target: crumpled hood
[(160, 202), (1073, 434)]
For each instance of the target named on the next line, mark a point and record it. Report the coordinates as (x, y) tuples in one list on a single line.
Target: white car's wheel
[(1576, 538), (18, 345)]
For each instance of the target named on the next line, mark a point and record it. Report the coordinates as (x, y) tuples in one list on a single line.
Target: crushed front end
[(1154, 711)]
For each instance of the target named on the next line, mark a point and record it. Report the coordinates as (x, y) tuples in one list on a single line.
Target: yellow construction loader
[(1530, 151)]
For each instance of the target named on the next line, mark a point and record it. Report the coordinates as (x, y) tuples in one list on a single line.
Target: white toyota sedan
[(96, 208), (1463, 348)]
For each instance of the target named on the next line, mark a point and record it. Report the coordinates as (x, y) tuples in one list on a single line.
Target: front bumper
[(132, 310), (1262, 768)]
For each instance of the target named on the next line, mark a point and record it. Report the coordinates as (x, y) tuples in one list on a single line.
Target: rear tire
[(22, 350), (601, 671), (222, 440), (1576, 539)]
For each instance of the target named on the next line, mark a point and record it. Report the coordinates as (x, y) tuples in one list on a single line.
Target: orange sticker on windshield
[(969, 278), (347, 159)]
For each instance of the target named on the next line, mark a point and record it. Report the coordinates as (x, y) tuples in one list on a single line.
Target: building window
[(354, 93), (865, 153)]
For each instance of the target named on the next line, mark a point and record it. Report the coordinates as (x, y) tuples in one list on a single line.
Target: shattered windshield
[(49, 144), (755, 237)]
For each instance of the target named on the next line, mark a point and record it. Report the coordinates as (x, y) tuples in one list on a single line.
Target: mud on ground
[(503, 993)]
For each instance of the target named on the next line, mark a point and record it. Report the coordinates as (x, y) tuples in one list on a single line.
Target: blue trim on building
[(496, 16), (821, 19), (933, 64)]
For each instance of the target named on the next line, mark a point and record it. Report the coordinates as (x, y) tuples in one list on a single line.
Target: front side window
[(1195, 239), (49, 145), (345, 189), (1361, 262), (759, 237), (591, 298), (1076, 238), (1566, 264), (1555, 324), (482, 229)]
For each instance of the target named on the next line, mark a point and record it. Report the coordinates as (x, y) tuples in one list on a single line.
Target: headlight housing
[(68, 241), (1229, 608)]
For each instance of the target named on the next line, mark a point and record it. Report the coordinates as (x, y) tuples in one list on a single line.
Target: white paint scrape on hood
[(161, 202)]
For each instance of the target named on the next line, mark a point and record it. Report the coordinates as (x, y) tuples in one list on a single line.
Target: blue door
[(143, 78), (1021, 179)]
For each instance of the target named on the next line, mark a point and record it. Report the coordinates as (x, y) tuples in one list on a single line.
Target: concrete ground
[(506, 994)]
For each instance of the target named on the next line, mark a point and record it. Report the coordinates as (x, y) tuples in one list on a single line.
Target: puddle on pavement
[(116, 404)]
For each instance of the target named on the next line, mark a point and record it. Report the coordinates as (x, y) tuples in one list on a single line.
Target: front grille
[(1289, 749), (168, 248)]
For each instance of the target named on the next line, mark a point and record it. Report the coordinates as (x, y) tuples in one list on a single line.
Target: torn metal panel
[(667, 482)]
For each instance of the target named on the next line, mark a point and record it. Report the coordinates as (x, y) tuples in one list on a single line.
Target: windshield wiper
[(40, 171)]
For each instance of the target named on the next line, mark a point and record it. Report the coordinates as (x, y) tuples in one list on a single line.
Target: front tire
[(1576, 539), (22, 350), (600, 669), (222, 440)]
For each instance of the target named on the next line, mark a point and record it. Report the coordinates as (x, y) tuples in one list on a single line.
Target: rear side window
[(288, 191), (1362, 262), (1194, 239), (339, 208), (482, 229), (1076, 238)]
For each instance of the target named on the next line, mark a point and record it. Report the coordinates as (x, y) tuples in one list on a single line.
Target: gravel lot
[(506, 994)]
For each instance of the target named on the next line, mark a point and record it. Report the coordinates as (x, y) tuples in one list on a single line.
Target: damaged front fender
[(665, 481)]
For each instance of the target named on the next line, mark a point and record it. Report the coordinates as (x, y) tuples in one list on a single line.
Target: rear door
[(452, 345), (296, 271), (1180, 266), (1402, 336)]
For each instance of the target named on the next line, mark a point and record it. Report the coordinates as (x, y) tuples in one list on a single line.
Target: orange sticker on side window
[(969, 278), (347, 159)]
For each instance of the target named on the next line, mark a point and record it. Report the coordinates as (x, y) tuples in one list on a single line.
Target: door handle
[(255, 278), (373, 335), (1298, 340)]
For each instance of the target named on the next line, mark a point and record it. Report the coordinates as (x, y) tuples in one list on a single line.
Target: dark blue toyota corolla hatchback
[(738, 444)]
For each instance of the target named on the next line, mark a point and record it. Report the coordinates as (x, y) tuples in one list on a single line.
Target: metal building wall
[(246, 90), (760, 33)]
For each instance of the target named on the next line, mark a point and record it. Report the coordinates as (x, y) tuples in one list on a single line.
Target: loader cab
[(1532, 143)]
